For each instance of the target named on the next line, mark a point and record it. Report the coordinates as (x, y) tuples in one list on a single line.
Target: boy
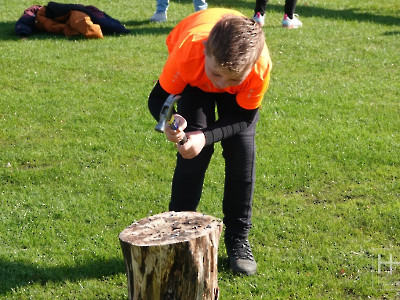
[(217, 57)]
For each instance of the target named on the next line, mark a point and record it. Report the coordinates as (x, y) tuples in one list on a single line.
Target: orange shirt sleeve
[(171, 79)]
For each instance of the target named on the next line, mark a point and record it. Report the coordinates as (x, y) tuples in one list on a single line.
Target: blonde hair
[(236, 43)]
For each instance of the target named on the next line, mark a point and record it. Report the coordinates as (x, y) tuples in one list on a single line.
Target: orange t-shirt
[(185, 63)]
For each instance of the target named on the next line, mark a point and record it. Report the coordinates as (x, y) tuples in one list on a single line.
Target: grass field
[(80, 160)]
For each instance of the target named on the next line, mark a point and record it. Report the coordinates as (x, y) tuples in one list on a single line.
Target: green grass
[(80, 160)]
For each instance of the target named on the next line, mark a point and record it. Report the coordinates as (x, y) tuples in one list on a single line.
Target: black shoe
[(241, 259)]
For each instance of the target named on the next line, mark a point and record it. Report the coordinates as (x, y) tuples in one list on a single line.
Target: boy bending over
[(217, 57)]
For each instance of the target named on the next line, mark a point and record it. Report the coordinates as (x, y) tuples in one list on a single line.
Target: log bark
[(172, 256)]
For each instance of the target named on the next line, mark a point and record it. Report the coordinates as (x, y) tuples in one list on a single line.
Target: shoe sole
[(290, 27), (237, 270)]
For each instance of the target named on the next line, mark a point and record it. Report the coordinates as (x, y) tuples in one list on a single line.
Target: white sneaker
[(259, 18), (291, 23), (159, 17)]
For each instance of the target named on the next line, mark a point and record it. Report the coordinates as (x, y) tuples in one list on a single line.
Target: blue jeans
[(162, 5)]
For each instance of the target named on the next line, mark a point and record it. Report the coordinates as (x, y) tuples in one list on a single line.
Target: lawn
[(80, 159)]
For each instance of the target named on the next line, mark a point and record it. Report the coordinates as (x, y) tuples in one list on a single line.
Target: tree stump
[(172, 255)]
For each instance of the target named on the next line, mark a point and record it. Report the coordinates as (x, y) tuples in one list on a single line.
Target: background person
[(290, 19)]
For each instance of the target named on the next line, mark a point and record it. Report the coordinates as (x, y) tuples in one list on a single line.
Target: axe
[(166, 116)]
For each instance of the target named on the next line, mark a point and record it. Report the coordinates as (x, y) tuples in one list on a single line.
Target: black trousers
[(198, 108), (290, 6)]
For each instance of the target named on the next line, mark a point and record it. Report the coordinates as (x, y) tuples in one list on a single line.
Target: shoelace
[(239, 248)]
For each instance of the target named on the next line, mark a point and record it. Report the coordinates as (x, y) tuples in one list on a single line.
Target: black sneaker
[(241, 259)]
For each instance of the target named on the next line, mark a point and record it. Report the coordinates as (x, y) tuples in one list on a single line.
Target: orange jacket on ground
[(185, 64), (73, 23)]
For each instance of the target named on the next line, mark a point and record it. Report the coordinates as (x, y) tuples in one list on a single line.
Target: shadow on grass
[(148, 28), (351, 14), (394, 32), (7, 31), (223, 265), (19, 274)]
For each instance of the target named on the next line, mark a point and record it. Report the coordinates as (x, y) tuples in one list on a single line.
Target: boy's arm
[(233, 123), (156, 100)]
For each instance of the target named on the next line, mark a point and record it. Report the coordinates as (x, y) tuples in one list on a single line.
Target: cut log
[(172, 256)]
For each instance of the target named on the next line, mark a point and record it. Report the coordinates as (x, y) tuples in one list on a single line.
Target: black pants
[(198, 108), (290, 6)]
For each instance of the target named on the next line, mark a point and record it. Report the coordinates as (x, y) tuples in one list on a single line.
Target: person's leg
[(162, 6), (290, 19), (161, 11), (198, 108), (259, 11), (200, 5), (260, 6), (290, 7), (239, 154)]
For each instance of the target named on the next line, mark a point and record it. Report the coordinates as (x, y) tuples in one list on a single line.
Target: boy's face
[(221, 78)]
